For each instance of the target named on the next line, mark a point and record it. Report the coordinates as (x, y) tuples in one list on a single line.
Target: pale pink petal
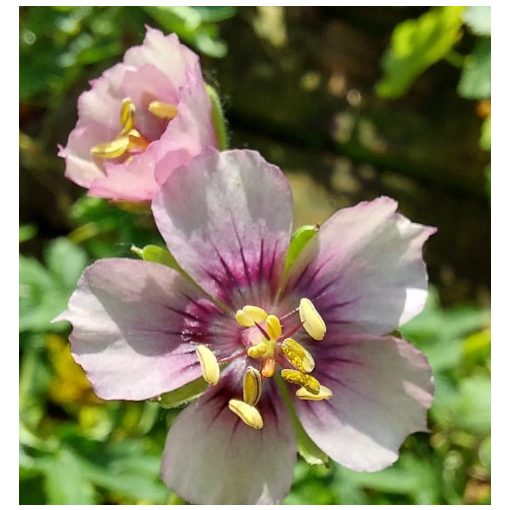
[(364, 271), (382, 388), (212, 457), (226, 218), (136, 325)]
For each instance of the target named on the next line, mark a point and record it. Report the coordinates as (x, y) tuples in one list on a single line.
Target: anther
[(163, 110), (208, 364), (111, 150), (300, 358), (127, 116), (324, 394), (252, 386), (274, 326), (257, 351), (248, 413), (312, 321), (306, 380), (137, 141), (249, 315)]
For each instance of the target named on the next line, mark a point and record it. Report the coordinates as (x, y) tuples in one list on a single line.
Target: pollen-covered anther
[(208, 364), (305, 380), (248, 413), (298, 356), (324, 394), (258, 351), (312, 321), (249, 315), (163, 110), (252, 386)]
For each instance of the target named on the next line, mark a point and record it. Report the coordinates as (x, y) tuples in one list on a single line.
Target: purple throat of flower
[(129, 140), (267, 344)]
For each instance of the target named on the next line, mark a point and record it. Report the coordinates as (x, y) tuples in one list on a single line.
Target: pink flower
[(322, 328), (151, 107)]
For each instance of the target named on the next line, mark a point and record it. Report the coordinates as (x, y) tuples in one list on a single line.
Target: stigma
[(272, 348)]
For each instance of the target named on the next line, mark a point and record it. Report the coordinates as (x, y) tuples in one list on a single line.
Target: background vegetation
[(352, 103)]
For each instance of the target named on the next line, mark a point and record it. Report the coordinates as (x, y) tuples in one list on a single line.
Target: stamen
[(111, 150), (127, 116), (324, 394), (300, 358), (252, 386), (208, 364), (306, 380), (137, 141), (257, 351), (274, 326), (249, 315), (163, 110), (312, 321), (268, 367), (249, 414)]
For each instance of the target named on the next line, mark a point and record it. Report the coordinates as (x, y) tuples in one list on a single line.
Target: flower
[(153, 106), (322, 328)]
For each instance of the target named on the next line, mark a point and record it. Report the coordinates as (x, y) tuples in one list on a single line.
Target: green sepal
[(218, 118), (300, 238), (182, 395), (153, 253)]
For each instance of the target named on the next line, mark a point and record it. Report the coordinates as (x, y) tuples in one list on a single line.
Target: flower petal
[(212, 457), (226, 218), (382, 388), (136, 325), (364, 270)]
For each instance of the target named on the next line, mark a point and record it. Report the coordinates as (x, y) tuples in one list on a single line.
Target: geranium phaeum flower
[(156, 94), (323, 328)]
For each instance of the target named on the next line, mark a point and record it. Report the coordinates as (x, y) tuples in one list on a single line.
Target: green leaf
[(485, 136), (478, 19), (475, 82), (300, 238), (66, 261), (65, 482), (27, 232), (416, 45), (182, 395), (473, 409)]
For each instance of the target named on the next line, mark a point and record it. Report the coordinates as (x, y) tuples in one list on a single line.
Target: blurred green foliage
[(78, 449)]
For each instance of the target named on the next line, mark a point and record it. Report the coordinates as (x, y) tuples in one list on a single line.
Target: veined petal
[(136, 326), (226, 218), (212, 457), (364, 270), (382, 388)]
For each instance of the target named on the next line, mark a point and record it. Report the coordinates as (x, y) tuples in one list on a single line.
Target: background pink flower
[(151, 107)]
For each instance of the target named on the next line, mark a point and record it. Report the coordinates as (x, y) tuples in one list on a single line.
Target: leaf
[(27, 232), (65, 482), (182, 395), (66, 261), (478, 19), (475, 82), (485, 136), (416, 45), (300, 238)]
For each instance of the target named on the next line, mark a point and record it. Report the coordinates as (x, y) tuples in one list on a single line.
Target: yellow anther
[(163, 110), (304, 394), (249, 315), (209, 365), (268, 367), (257, 351), (312, 321), (273, 326), (111, 150), (248, 413), (300, 358), (306, 380), (252, 386), (127, 116)]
